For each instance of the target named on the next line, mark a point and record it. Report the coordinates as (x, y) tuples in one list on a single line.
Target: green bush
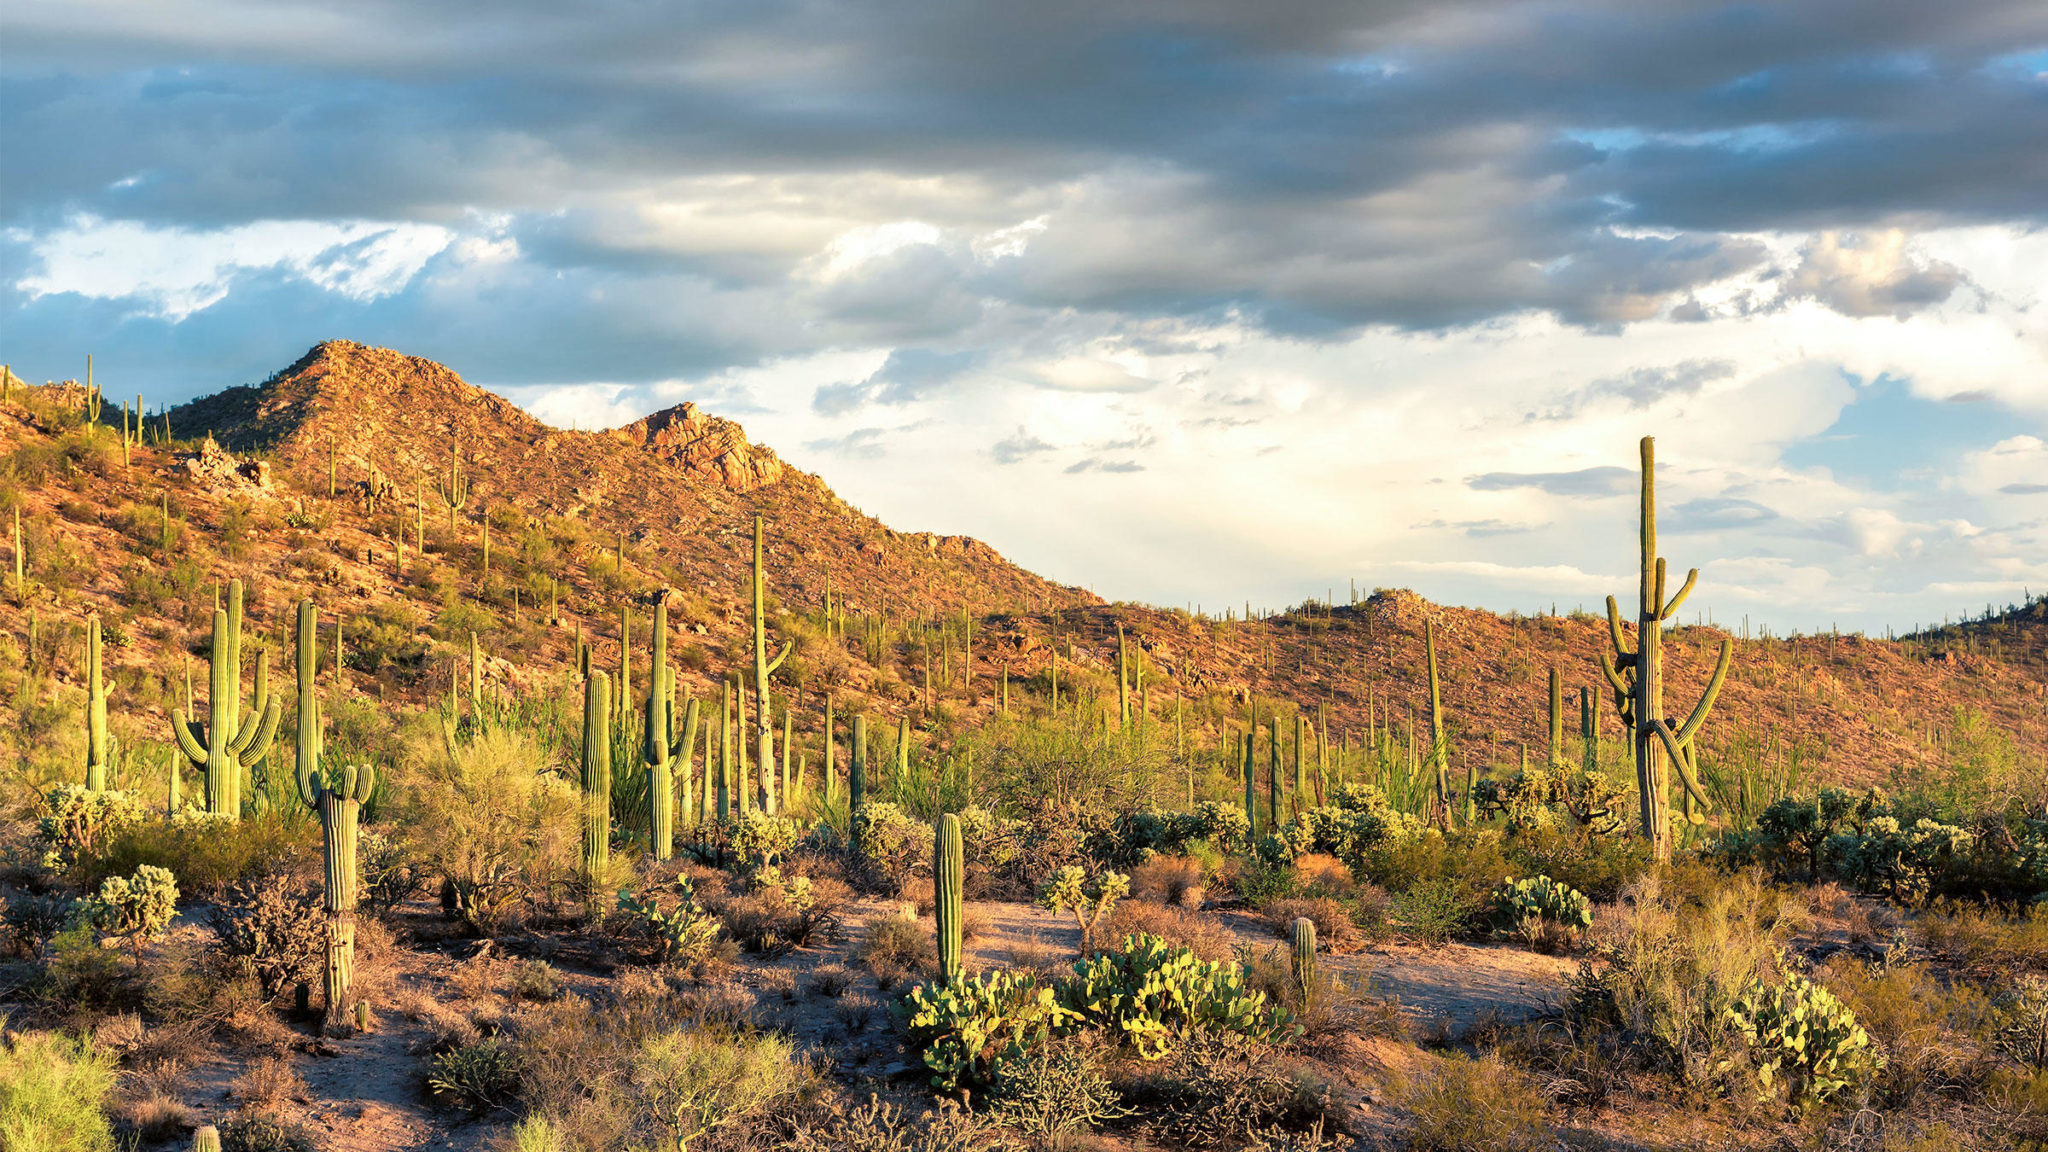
[(1465, 1105), (1436, 910), (697, 1081), (52, 1092), (208, 854), (889, 843), (1051, 1091), (482, 1075), (264, 1134)]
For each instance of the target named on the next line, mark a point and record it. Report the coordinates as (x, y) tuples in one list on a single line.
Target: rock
[(215, 467), (705, 446)]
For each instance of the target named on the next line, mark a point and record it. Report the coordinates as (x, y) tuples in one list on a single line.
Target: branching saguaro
[(1637, 679)]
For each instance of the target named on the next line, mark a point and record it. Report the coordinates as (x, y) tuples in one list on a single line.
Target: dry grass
[(1202, 934), (1170, 880), (1467, 1105), (1335, 930), (267, 1086)]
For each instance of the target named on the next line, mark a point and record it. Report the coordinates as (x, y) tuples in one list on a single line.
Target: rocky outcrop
[(705, 446), (214, 467)]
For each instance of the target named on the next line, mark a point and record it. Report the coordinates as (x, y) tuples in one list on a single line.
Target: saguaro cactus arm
[(188, 740), (258, 730)]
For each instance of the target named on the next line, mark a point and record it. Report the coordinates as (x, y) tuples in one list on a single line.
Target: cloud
[(1011, 449), (1098, 464), (1602, 481), (1869, 275), (1640, 388)]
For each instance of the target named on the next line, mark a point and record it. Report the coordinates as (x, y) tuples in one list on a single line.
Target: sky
[(1198, 303)]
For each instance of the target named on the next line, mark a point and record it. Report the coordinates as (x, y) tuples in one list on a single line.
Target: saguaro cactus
[(453, 489), (597, 779), (947, 870), (857, 765), (338, 799), (764, 723), (830, 768), (1123, 679), (662, 744), (1251, 799), (96, 750), (1439, 752), (1556, 721), (306, 757), (1638, 682), (229, 738), (1303, 938)]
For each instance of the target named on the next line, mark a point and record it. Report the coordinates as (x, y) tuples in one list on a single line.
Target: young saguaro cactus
[(947, 870), (229, 739), (338, 798), (1303, 938), (597, 778), (857, 764), (1638, 682), (96, 742)]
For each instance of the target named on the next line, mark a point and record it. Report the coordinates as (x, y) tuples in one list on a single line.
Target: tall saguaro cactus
[(1556, 721), (306, 758), (1439, 752), (1123, 680), (96, 750), (1638, 682), (597, 779), (338, 797), (947, 870), (229, 739), (764, 724), (662, 743)]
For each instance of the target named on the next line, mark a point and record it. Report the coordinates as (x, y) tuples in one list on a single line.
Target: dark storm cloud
[(1311, 167)]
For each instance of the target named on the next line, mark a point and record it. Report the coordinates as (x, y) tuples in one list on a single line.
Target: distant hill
[(680, 489)]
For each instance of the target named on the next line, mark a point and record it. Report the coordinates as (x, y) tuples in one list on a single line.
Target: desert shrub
[(1680, 960), (264, 1134), (880, 1126), (1436, 910), (52, 1092), (1986, 938), (138, 906), (889, 844), (1200, 934), (758, 840), (33, 918), (1930, 1030), (1475, 1105), (696, 1082), (784, 915), (1601, 866), (1213, 1089), (208, 854), (79, 977), (682, 931), (75, 821), (271, 929), (1259, 882), (1175, 880), (1335, 930), (648, 1067), (502, 827), (965, 1030), (1056, 1089), (1803, 1039), (388, 873), (1357, 823), (481, 1076), (1146, 993), (900, 942)]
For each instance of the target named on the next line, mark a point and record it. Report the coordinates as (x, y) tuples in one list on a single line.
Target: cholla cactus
[(77, 819), (1070, 889), (138, 906)]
